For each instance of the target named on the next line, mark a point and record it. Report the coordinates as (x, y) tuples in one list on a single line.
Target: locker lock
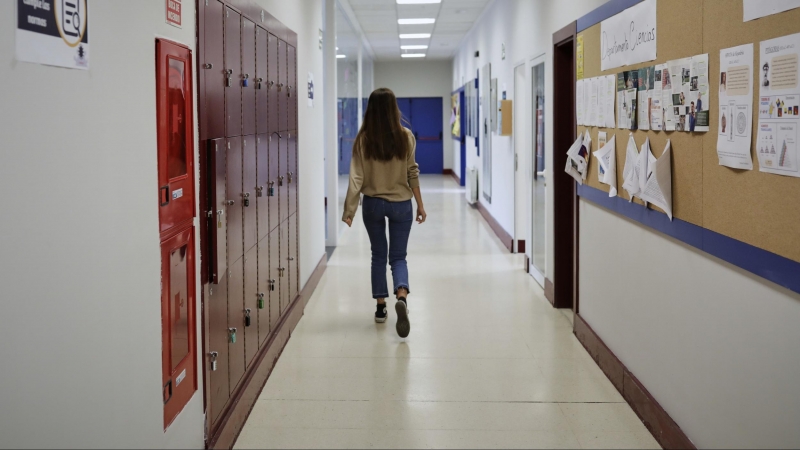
[(289, 91), (259, 191), (246, 80), (230, 202), (291, 258), (269, 84), (280, 181), (289, 176), (271, 190), (280, 271), (232, 335), (213, 356), (246, 196), (271, 285), (208, 66), (280, 86), (247, 317), (219, 218), (258, 82), (228, 76), (260, 300)]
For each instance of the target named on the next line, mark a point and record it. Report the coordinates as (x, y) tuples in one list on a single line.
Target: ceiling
[(378, 21)]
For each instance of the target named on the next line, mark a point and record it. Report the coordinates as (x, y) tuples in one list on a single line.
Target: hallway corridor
[(488, 364)]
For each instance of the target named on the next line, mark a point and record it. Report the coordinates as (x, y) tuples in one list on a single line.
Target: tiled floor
[(489, 363)]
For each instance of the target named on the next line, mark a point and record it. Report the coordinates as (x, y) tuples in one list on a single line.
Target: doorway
[(565, 204), (424, 117), (522, 173), (538, 166)]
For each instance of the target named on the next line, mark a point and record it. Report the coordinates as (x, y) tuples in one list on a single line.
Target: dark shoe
[(403, 325), (380, 314)]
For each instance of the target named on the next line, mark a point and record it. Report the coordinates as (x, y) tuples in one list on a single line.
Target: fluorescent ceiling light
[(341, 56), (413, 47), (413, 55), (415, 21), (415, 36), (417, 2)]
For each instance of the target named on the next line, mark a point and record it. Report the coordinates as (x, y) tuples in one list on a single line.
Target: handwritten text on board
[(629, 37)]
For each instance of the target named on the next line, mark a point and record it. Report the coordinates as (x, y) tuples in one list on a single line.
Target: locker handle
[(280, 181), (289, 89), (269, 85), (208, 66), (164, 195), (291, 258), (275, 132), (290, 177)]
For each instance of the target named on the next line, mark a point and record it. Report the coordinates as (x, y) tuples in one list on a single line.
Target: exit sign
[(174, 13)]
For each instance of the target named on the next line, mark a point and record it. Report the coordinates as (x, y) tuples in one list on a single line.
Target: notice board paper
[(629, 37), (735, 107), (658, 186), (607, 164), (754, 9)]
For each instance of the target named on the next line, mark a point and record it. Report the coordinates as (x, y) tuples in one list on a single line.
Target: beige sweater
[(389, 180)]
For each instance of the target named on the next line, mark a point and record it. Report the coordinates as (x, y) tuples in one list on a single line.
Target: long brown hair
[(382, 136)]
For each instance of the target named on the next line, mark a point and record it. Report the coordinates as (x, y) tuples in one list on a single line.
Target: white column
[(330, 124), (360, 84)]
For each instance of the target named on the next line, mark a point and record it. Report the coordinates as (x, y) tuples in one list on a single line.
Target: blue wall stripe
[(768, 265), (606, 10)]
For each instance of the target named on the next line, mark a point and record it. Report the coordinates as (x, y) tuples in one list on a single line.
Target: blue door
[(425, 116), (348, 128)]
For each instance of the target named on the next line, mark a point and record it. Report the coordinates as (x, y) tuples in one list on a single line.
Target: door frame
[(537, 275), (565, 200), (521, 212)]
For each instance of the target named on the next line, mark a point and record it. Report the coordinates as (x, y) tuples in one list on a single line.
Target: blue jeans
[(375, 211)]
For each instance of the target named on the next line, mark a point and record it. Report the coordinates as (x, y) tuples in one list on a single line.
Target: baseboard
[(452, 174), (549, 291), (505, 238), (245, 397), (668, 434)]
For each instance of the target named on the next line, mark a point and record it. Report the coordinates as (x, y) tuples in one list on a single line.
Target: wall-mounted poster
[(629, 37), (53, 32), (455, 116), (735, 107)]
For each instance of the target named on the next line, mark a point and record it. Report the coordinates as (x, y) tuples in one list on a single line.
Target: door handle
[(163, 193), (540, 174)]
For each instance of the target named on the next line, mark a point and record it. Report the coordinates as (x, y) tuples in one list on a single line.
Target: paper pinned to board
[(658, 187), (579, 102), (630, 182), (644, 166), (577, 158), (607, 165), (611, 89)]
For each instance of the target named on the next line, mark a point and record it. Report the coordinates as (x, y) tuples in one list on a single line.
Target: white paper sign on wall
[(53, 32), (629, 37)]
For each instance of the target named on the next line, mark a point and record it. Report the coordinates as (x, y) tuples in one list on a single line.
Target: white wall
[(421, 79), (526, 27), (714, 344), (79, 248)]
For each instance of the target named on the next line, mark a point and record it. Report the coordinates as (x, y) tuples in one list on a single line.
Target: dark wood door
[(261, 82), (249, 191), (293, 266), (217, 307), (272, 70), (248, 77), (233, 202), (236, 329), (291, 172), (262, 185), (275, 278), (283, 84), (217, 194), (233, 74), (263, 290), (250, 322), (212, 73), (293, 93)]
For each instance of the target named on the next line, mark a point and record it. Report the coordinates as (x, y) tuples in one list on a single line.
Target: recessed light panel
[(341, 56), (417, 2), (420, 21), (415, 36), (413, 55), (413, 47)]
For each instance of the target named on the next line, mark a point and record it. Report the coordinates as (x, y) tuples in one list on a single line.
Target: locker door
[(178, 322), (217, 230), (250, 334), (291, 172), (236, 329), (273, 185), (294, 91), (175, 131), (283, 82), (272, 85), (294, 276), (274, 274), (249, 190), (284, 266), (262, 185), (233, 201), (263, 289), (283, 178), (248, 77), (217, 307), (212, 73), (261, 83), (233, 73)]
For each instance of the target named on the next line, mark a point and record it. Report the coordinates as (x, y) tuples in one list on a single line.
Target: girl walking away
[(384, 169)]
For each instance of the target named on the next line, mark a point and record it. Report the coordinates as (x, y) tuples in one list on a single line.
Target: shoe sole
[(379, 320), (403, 325)]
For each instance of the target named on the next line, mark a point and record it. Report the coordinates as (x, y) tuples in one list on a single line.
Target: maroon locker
[(284, 266), (249, 191), (264, 292), (236, 331), (272, 85), (175, 131), (217, 307), (218, 223), (293, 267), (233, 73), (274, 278), (261, 82), (212, 74), (283, 179), (273, 185), (294, 91), (262, 185), (248, 77), (250, 321), (234, 199), (291, 171), (283, 84)]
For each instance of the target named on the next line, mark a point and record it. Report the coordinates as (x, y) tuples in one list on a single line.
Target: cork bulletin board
[(757, 208)]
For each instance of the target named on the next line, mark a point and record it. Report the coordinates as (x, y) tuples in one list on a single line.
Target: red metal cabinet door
[(291, 171), (248, 77), (294, 91), (274, 274), (236, 331), (178, 338), (233, 203), (217, 307), (233, 68), (283, 179), (272, 85), (284, 266), (283, 83), (294, 276), (263, 290), (273, 185), (175, 131), (250, 333), (262, 185), (261, 83), (249, 191), (212, 73), (218, 224)]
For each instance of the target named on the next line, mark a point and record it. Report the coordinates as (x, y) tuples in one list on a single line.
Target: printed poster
[(779, 106), (735, 107), (53, 32), (629, 37), (685, 94), (627, 88)]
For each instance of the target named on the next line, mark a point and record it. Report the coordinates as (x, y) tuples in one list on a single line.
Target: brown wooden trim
[(565, 33), (668, 434), (244, 398), (520, 245), (505, 238), (549, 291)]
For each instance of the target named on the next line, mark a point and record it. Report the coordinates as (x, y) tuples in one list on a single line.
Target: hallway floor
[(488, 364)]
